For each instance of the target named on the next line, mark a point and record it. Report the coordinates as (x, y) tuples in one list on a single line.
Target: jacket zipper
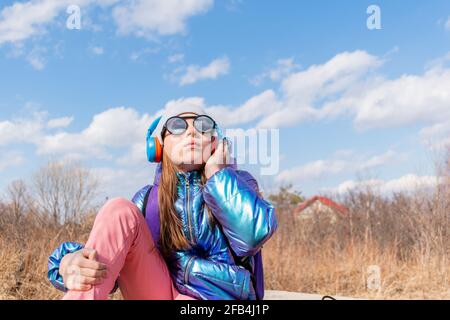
[(186, 274), (189, 210)]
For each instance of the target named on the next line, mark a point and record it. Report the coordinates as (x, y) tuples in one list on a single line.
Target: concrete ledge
[(286, 295)]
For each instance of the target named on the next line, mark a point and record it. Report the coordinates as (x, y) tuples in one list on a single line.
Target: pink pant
[(124, 243)]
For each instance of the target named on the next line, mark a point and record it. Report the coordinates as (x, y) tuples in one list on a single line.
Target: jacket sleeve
[(54, 262), (208, 279), (247, 220)]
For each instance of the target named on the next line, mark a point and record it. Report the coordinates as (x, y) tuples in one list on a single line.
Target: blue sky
[(353, 106)]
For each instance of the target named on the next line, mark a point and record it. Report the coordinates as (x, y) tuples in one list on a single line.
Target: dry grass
[(407, 236), (24, 249)]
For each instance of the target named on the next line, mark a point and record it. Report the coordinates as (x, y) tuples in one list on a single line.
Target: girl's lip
[(192, 144)]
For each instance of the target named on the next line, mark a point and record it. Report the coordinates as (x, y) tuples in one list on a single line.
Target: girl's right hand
[(81, 270)]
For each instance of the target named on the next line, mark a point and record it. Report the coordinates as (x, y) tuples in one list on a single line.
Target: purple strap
[(259, 276), (152, 214)]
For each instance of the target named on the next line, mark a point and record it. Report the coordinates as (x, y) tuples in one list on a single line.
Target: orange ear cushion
[(158, 151)]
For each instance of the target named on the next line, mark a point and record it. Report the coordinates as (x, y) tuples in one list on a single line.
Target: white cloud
[(59, 122), (194, 101), (313, 170), (75, 144), (437, 136), (10, 159), (283, 68), (407, 100), (116, 135), (347, 85), (306, 94), (234, 5), (115, 127), (194, 73), (341, 162), (406, 184), (135, 155), (22, 20), (149, 18), (381, 159), (438, 63), (253, 109), (136, 55), (21, 130), (36, 58), (124, 181), (228, 116), (176, 58)]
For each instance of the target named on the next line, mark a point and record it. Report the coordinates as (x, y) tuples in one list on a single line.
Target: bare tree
[(447, 174), (64, 190), (19, 198)]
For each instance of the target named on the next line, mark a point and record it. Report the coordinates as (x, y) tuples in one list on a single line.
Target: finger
[(226, 151), (93, 255), (72, 270), (79, 287), (78, 280), (83, 287), (87, 252), (93, 273), (219, 155), (83, 280), (223, 146), (90, 264)]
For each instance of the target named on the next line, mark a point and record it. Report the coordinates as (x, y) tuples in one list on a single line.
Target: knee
[(119, 209), (119, 202)]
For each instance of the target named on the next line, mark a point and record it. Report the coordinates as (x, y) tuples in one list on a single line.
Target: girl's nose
[(190, 131)]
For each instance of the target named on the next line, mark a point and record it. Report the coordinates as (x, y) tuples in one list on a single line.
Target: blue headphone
[(154, 147)]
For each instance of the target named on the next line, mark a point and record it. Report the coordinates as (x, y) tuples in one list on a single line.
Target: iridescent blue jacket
[(225, 260)]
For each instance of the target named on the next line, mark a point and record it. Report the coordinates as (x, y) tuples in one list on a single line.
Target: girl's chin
[(193, 158), (193, 162), (190, 167)]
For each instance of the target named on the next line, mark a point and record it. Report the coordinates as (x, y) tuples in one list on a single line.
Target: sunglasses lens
[(176, 125), (204, 124)]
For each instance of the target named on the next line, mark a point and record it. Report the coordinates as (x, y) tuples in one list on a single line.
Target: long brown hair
[(172, 237)]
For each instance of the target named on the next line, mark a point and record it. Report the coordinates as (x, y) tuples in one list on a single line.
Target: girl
[(196, 233)]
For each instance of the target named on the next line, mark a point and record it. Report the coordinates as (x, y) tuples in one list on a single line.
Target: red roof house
[(322, 205)]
